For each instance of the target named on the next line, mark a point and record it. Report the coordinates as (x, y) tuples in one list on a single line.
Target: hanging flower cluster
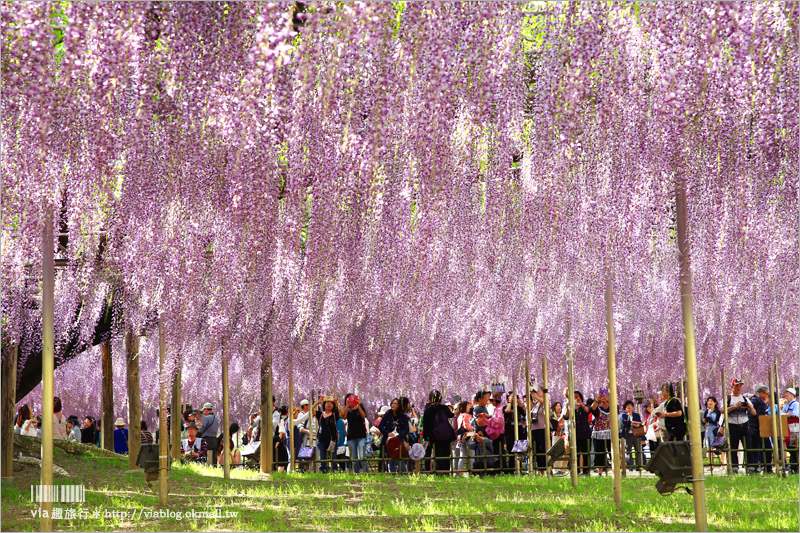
[(386, 198)]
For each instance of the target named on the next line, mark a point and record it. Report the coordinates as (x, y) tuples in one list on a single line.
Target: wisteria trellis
[(389, 197)]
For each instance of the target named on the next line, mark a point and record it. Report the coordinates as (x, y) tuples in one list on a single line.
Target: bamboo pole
[(163, 454), (573, 439), (267, 440), (728, 468), (548, 441), (690, 361), (226, 420), (528, 415), (612, 391), (107, 429), (516, 426), (291, 420), (781, 442), (773, 391), (48, 369), (9, 404), (176, 416)]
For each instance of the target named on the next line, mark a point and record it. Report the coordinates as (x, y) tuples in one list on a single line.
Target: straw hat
[(119, 422)]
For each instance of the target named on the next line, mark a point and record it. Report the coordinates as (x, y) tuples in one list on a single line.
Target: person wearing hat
[(737, 409), (792, 409), (305, 422), (208, 430), (759, 455), (120, 437), (193, 447)]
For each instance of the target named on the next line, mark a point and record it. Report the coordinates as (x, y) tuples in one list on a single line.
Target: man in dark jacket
[(760, 454), (436, 429)]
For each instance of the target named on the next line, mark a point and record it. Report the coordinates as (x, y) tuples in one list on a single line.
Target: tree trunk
[(134, 398), (176, 416), (266, 417), (9, 395), (107, 427)]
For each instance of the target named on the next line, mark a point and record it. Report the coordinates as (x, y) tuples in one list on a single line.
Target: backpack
[(442, 430)]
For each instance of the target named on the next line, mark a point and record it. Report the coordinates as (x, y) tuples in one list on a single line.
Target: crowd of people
[(466, 435)]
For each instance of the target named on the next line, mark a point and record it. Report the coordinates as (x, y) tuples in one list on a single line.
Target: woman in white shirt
[(26, 423)]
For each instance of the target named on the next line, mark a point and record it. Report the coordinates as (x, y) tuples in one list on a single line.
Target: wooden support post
[(291, 422), (516, 428), (163, 453), (266, 417), (48, 369), (134, 399), (723, 399), (780, 449), (773, 391), (226, 420), (528, 415), (683, 394), (176, 415), (548, 441), (690, 361), (612, 393), (8, 411), (107, 429), (573, 439)]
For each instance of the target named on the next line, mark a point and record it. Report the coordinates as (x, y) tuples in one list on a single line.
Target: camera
[(534, 419)]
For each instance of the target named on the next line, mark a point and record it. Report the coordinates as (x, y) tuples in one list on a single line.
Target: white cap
[(303, 402), (792, 390), (383, 410), (208, 405)]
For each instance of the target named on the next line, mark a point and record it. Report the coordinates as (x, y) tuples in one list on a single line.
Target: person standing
[(792, 409), (712, 418), (394, 423), (328, 435), (760, 449), (583, 431), (437, 430), (601, 434), (630, 420), (672, 414), (356, 433), (60, 421), (463, 429), (651, 424), (208, 430), (120, 437), (737, 408)]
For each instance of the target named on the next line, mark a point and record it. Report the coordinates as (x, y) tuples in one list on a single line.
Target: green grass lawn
[(343, 502)]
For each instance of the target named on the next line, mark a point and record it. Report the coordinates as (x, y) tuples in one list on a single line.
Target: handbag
[(720, 442), (395, 448), (639, 431), (520, 446), (305, 452)]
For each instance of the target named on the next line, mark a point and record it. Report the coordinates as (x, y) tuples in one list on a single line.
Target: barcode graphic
[(58, 493)]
